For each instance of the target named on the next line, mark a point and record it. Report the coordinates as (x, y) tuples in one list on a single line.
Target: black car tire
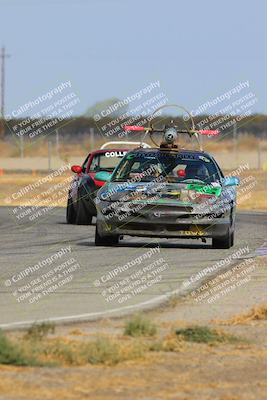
[(224, 242), (105, 240), (83, 217), (232, 238), (70, 212)]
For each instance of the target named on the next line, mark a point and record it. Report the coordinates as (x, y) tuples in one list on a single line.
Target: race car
[(84, 186), (167, 192)]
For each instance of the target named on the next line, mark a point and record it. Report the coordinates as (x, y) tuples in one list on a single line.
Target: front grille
[(164, 209), (156, 227)]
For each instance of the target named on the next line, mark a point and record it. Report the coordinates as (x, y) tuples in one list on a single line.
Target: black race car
[(168, 192)]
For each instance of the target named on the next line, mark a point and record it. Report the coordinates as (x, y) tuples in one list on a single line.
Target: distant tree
[(105, 108)]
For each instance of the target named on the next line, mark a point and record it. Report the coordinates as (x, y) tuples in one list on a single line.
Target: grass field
[(252, 192), (175, 360), (66, 148)]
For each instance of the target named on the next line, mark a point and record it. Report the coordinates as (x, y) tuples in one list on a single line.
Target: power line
[(3, 56)]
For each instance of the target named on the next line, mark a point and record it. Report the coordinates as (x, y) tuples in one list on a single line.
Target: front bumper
[(168, 222)]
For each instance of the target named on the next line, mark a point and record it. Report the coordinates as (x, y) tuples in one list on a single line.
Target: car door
[(78, 180)]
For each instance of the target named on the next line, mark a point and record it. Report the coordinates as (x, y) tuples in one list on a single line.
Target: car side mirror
[(77, 169), (231, 181), (102, 176)]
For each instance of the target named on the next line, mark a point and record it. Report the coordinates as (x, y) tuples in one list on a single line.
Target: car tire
[(232, 238), (70, 212), (105, 240), (83, 217), (224, 242)]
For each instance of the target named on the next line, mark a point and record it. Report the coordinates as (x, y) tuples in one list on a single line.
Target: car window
[(105, 161), (173, 168), (85, 163)]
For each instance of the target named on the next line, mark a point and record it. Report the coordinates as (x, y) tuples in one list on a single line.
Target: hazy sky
[(106, 48)]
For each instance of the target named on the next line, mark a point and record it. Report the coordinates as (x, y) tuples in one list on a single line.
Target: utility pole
[(3, 56), (235, 139)]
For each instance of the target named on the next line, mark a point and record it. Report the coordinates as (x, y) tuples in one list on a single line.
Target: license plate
[(192, 232)]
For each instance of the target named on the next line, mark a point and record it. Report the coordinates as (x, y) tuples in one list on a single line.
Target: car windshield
[(106, 161), (172, 167)]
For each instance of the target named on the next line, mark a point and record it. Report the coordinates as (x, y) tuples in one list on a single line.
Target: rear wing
[(144, 145)]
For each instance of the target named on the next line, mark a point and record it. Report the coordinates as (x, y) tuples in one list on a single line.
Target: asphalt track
[(84, 292)]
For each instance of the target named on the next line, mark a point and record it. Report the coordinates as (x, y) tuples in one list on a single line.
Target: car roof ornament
[(171, 132)]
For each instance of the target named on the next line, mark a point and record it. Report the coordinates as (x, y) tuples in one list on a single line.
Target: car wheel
[(83, 217), (105, 240), (224, 242), (70, 212)]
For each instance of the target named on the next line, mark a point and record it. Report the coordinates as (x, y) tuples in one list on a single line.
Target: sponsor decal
[(110, 154)]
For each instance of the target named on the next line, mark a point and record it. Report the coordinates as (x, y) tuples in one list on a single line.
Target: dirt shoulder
[(180, 369), (199, 373)]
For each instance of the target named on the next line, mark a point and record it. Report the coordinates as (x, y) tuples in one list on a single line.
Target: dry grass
[(11, 184), (254, 199), (41, 346), (39, 148), (67, 149), (246, 142), (139, 325), (64, 351), (257, 313), (165, 367), (205, 334)]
